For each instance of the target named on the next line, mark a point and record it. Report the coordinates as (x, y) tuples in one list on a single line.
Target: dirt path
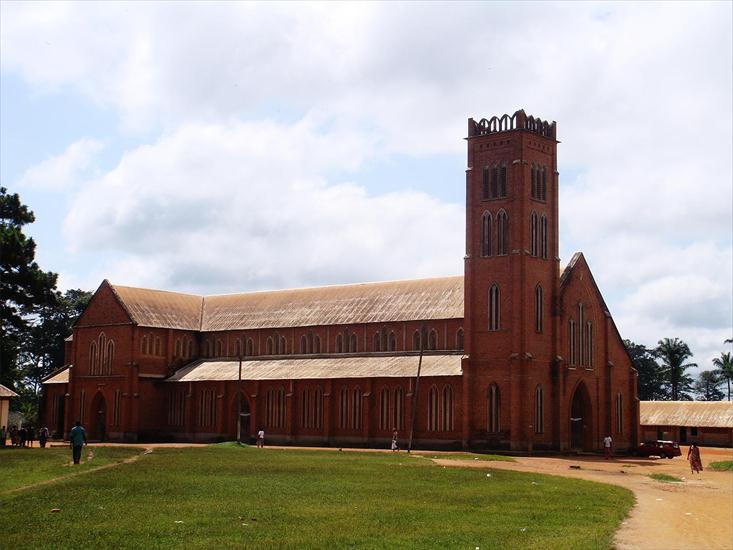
[(697, 513), (128, 460)]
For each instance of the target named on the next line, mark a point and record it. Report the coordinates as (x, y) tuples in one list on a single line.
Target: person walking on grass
[(261, 439), (43, 437), (77, 439), (607, 443), (22, 434), (395, 447), (3, 432), (31, 434), (693, 455)]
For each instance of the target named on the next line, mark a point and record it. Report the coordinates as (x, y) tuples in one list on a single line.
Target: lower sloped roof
[(343, 366), (60, 376), (696, 414), (7, 392)]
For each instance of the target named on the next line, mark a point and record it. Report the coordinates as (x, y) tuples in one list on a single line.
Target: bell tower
[(511, 270)]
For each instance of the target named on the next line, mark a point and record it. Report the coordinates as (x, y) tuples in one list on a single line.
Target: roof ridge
[(335, 285)]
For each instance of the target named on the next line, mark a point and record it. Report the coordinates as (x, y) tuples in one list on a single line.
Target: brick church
[(517, 353)]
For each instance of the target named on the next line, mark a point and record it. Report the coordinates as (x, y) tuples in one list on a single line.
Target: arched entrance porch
[(98, 429), (581, 419)]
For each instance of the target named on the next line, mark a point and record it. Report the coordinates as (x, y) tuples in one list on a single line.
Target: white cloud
[(224, 208), (641, 92), (62, 171)]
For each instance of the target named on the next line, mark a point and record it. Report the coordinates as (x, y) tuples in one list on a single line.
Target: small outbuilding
[(5, 395), (702, 422)]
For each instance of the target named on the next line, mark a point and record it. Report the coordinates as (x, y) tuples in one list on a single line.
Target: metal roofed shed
[(320, 367), (702, 422)]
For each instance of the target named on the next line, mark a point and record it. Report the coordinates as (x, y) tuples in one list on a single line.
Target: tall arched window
[(303, 345), (178, 348), (492, 398), (269, 346), (207, 348), (250, 347), (433, 409), (433, 340), (486, 223), (384, 410), (311, 408), (571, 342), (534, 181), (353, 343), (502, 180), (392, 345), (619, 414), (275, 407), (93, 358), (533, 233), (238, 348), (110, 357), (377, 342), (494, 308), (447, 409), (589, 343), (485, 183), (580, 355), (189, 349), (494, 181), (538, 309), (158, 346), (416, 340), (350, 403), (339, 343), (283, 347), (502, 233), (459, 339), (539, 410), (398, 409), (543, 184), (543, 237)]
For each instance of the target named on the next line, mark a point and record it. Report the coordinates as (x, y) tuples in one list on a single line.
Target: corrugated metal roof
[(320, 367), (60, 377), (7, 392), (419, 299), (160, 308), (700, 414)]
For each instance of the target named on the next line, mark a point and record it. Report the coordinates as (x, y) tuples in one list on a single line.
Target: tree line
[(663, 376), (36, 316)]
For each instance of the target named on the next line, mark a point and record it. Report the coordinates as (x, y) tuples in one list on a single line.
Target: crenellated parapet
[(518, 121)]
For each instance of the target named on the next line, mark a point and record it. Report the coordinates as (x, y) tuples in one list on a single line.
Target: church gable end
[(104, 308)]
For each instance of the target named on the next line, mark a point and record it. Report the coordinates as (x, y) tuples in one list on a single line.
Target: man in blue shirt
[(77, 439)]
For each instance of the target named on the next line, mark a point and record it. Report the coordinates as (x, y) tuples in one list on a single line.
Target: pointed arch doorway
[(581, 420), (99, 418)]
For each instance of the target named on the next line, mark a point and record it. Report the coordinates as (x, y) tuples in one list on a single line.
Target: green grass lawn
[(665, 478), (722, 466), (228, 497), (20, 467)]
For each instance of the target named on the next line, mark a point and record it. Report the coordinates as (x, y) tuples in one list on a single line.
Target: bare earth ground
[(697, 513)]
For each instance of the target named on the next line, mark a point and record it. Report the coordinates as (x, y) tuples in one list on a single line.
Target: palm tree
[(724, 368), (674, 352)]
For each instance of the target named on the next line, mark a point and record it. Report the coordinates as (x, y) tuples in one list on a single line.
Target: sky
[(223, 147)]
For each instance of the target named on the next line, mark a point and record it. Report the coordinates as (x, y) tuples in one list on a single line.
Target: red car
[(662, 449)]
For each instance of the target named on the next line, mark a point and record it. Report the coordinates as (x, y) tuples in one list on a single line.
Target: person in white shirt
[(261, 438), (607, 443)]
